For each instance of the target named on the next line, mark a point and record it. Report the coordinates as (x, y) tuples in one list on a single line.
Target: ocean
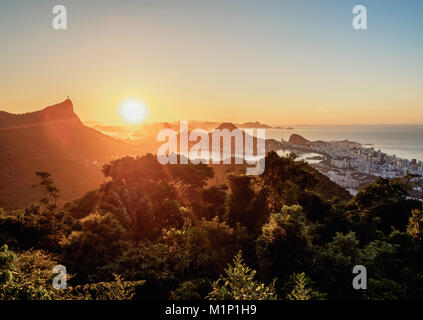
[(405, 141)]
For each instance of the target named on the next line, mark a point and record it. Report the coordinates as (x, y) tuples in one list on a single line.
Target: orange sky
[(282, 64)]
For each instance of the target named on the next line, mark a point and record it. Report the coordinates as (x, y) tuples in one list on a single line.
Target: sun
[(133, 111)]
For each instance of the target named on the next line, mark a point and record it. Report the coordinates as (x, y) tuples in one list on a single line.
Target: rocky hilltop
[(54, 140), (299, 140)]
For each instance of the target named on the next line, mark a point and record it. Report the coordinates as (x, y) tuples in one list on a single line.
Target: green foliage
[(48, 190), (7, 260), (381, 191), (213, 203), (415, 224), (172, 228), (300, 287), (35, 226), (380, 206), (285, 243), (385, 269), (239, 284), (183, 180), (147, 261), (114, 290), (190, 290), (383, 265), (197, 245), (155, 263), (285, 180), (333, 265), (100, 240), (33, 280), (32, 272), (146, 196), (244, 205), (181, 254)]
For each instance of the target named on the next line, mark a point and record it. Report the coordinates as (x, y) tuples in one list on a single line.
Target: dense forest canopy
[(167, 232)]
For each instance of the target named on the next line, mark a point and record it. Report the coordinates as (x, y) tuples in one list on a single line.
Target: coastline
[(402, 140)]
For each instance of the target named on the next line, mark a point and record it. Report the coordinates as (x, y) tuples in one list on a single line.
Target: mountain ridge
[(54, 140), (60, 112)]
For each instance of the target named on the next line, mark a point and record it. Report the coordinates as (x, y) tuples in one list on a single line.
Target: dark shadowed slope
[(299, 140), (53, 140)]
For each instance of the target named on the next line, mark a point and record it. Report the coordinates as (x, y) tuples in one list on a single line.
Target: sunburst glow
[(133, 111)]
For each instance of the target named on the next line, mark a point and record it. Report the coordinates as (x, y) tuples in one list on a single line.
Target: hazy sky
[(276, 61)]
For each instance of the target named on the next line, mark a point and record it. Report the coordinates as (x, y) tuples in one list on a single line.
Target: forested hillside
[(54, 140), (165, 232)]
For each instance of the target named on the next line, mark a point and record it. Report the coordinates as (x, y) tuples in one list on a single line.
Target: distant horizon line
[(262, 123), (273, 125)]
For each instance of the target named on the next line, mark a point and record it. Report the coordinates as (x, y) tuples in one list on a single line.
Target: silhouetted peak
[(61, 112), (254, 124), (298, 140), (227, 125)]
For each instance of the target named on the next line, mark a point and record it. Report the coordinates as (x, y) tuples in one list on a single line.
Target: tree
[(33, 281), (100, 240), (333, 263), (185, 180), (118, 289), (35, 226), (213, 203), (49, 191), (285, 243), (7, 265), (27, 284), (415, 224), (146, 196), (381, 206), (285, 180), (300, 287), (380, 191), (244, 206), (239, 284), (206, 246), (190, 290), (385, 271)]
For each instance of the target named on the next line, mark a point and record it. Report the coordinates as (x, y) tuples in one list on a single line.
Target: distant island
[(254, 125), (282, 128)]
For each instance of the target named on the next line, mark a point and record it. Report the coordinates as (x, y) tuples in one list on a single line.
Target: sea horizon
[(402, 140)]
